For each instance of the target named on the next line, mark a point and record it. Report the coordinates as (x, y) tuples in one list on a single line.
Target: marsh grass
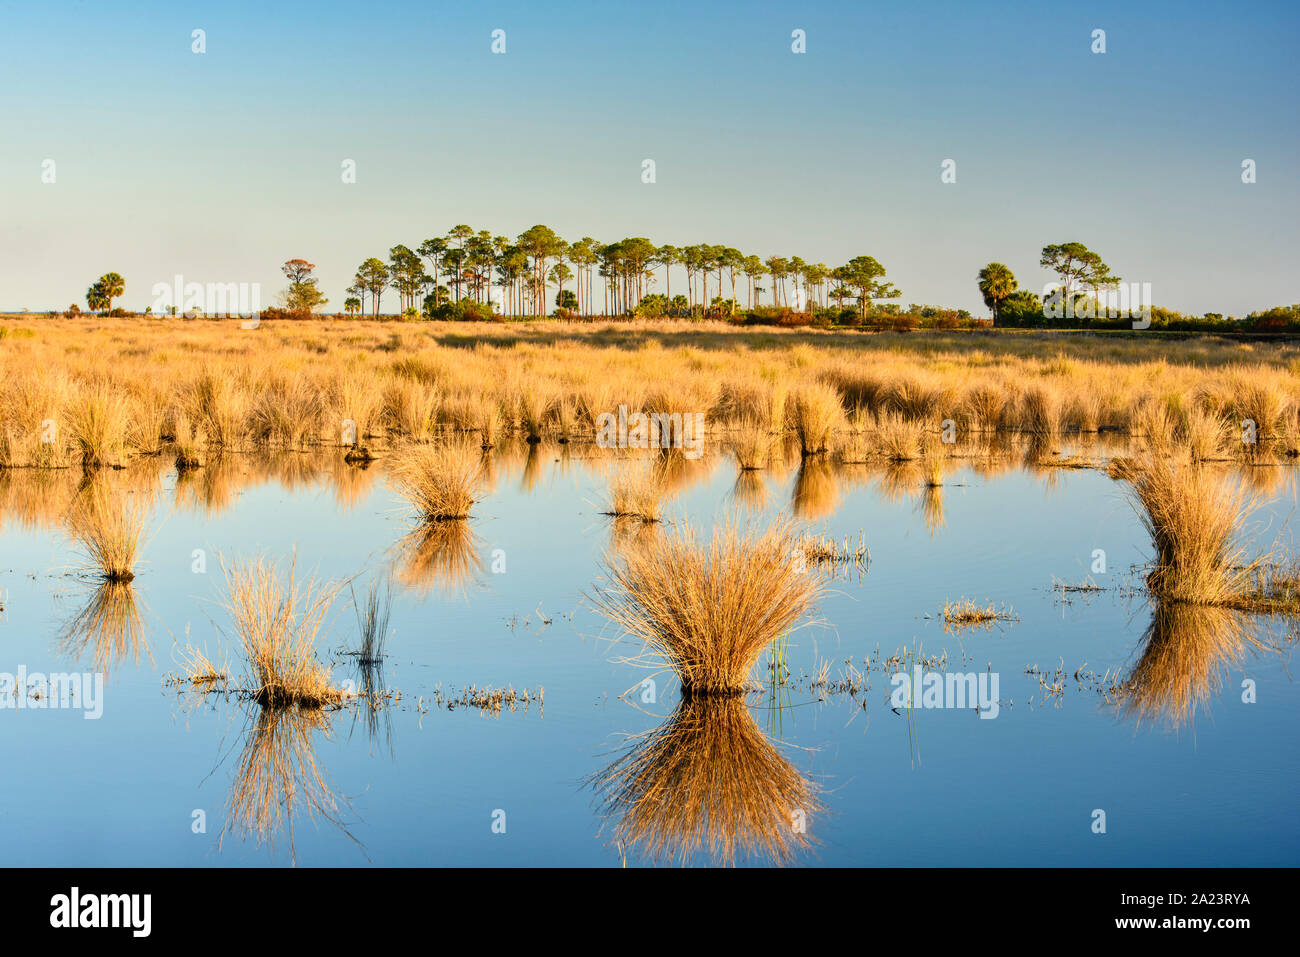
[(965, 613), (1272, 587), (198, 669), (441, 481), (898, 439), (216, 401), (108, 528), (636, 492), (750, 445), (411, 409), (709, 608), (815, 412), (186, 441), (825, 550), (97, 420), (1195, 521), (60, 401), (277, 621)]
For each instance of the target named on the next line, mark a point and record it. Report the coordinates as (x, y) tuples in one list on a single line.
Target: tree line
[(476, 266)]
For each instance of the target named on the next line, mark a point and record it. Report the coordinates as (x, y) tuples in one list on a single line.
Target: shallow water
[(1187, 774)]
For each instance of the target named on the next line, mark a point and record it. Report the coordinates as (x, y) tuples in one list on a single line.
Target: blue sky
[(221, 166)]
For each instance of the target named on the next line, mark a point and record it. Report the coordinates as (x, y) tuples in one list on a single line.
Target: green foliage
[(100, 296), (996, 283), (1078, 267), (654, 305), (466, 310)]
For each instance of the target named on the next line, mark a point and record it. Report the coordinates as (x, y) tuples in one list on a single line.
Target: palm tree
[(996, 284), (111, 285)]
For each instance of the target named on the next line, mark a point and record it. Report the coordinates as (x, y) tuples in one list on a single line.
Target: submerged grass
[(965, 613)]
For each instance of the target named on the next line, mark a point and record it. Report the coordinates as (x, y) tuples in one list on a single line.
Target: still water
[(1186, 770)]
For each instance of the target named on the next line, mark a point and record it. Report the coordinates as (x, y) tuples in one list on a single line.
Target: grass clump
[(636, 494), (710, 608), (440, 480), (108, 530), (1194, 521), (278, 621), (815, 412), (198, 669), (967, 614), (750, 445), (97, 421), (822, 549)]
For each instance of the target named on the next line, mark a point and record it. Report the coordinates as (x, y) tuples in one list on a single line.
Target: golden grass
[(97, 421), (750, 445), (295, 384), (898, 439), (219, 404), (709, 608), (441, 481), (636, 492), (108, 528), (815, 412), (277, 622), (198, 669), (966, 613), (1195, 521), (825, 550)]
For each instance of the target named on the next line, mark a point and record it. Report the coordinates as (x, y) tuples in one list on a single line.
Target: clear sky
[(220, 166)]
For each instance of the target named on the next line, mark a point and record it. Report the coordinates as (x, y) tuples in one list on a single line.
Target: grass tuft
[(109, 530), (278, 621), (440, 481), (710, 608)]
